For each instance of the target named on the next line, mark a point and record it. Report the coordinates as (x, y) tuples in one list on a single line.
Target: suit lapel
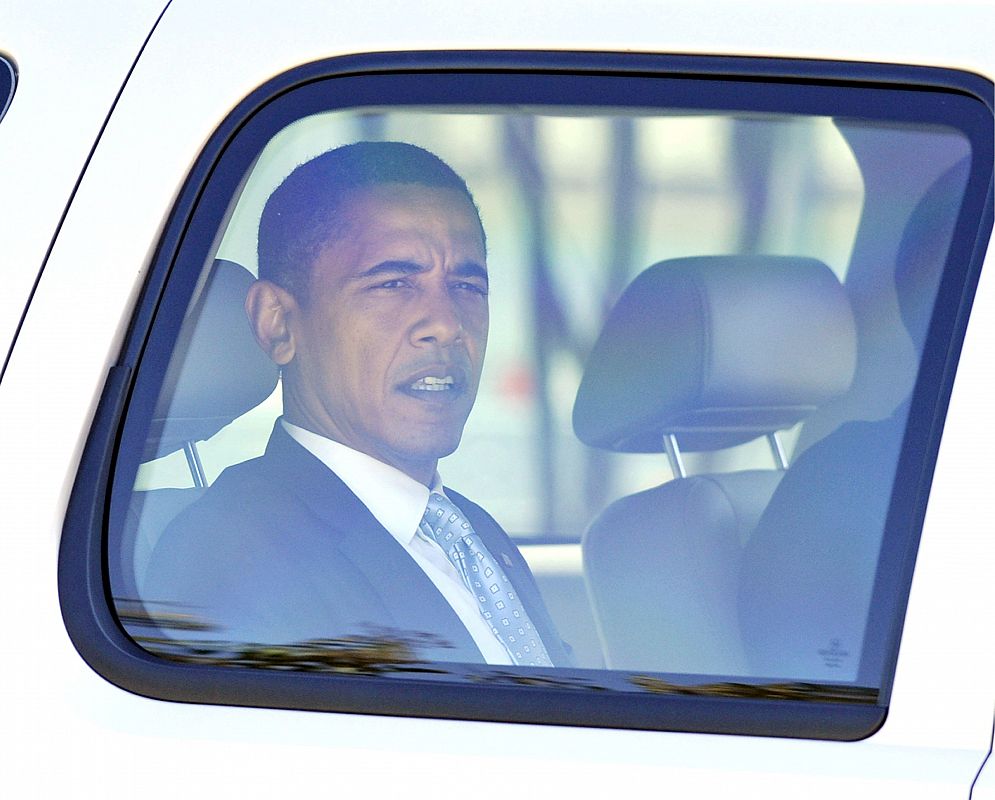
[(408, 597)]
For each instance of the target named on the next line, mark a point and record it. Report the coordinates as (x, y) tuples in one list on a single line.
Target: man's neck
[(425, 472)]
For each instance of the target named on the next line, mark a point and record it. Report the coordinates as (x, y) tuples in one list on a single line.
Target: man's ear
[(270, 308)]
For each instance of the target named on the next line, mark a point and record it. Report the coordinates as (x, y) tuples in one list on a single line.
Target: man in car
[(373, 299)]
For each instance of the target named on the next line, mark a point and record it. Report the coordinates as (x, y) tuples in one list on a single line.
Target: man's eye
[(395, 283), (472, 287)]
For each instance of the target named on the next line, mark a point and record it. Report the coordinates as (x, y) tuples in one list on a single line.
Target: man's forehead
[(397, 223), (389, 212), (410, 195)]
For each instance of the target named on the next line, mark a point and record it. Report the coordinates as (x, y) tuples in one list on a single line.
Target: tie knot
[(438, 506), (444, 519)]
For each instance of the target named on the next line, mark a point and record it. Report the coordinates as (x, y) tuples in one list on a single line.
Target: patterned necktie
[(498, 601)]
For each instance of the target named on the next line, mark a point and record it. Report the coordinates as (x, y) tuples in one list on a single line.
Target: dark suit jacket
[(280, 551)]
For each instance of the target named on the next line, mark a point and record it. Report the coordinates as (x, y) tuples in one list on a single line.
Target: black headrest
[(717, 350), (217, 371)]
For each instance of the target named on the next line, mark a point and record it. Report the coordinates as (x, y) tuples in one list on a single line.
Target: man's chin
[(428, 448), (432, 451)]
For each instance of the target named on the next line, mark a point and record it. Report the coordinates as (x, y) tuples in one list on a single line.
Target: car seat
[(217, 373), (700, 354)]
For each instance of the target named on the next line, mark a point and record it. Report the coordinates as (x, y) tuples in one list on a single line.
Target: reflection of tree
[(384, 651), (372, 655), (508, 678), (375, 651), (170, 617), (826, 693)]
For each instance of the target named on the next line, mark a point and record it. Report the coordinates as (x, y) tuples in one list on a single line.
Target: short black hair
[(303, 213)]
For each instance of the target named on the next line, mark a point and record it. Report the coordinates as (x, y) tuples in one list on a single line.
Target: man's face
[(390, 341)]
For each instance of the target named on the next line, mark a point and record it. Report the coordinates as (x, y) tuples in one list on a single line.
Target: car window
[(596, 397)]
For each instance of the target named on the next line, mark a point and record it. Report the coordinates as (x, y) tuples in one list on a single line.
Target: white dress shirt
[(398, 502)]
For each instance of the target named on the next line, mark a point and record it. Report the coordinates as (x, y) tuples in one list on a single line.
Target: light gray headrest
[(717, 350), (217, 372)]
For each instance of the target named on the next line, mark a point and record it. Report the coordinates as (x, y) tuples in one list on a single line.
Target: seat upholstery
[(714, 351), (216, 374), (662, 568), (717, 350), (217, 371)]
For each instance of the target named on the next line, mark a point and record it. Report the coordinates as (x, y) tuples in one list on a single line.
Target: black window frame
[(494, 78), (8, 84)]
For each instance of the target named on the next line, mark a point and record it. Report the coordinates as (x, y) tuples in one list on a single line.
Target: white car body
[(70, 731)]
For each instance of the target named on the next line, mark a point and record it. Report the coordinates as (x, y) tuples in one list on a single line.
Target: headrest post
[(674, 456), (777, 449), (195, 465)]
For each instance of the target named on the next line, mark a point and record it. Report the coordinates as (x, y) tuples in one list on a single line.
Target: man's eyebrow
[(471, 269), (466, 269), (391, 268)]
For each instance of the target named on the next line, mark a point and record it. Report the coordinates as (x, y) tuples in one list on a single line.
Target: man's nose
[(439, 321)]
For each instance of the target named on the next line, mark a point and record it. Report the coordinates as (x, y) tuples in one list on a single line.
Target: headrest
[(716, 350), (217, 371)]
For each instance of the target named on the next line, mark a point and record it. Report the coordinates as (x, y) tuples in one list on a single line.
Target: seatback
[(700, 354), (217, 373), (820, 538), (662, 570)]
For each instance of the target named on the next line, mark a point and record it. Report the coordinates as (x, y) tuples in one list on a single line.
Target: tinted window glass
[(682, 469)]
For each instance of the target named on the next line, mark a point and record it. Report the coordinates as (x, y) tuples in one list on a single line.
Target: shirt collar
[(395, 499)]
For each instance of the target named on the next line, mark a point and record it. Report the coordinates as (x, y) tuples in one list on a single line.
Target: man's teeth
[(433, 384)]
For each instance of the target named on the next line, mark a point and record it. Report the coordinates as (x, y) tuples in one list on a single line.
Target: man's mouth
[(438, 382), (434, 383)]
